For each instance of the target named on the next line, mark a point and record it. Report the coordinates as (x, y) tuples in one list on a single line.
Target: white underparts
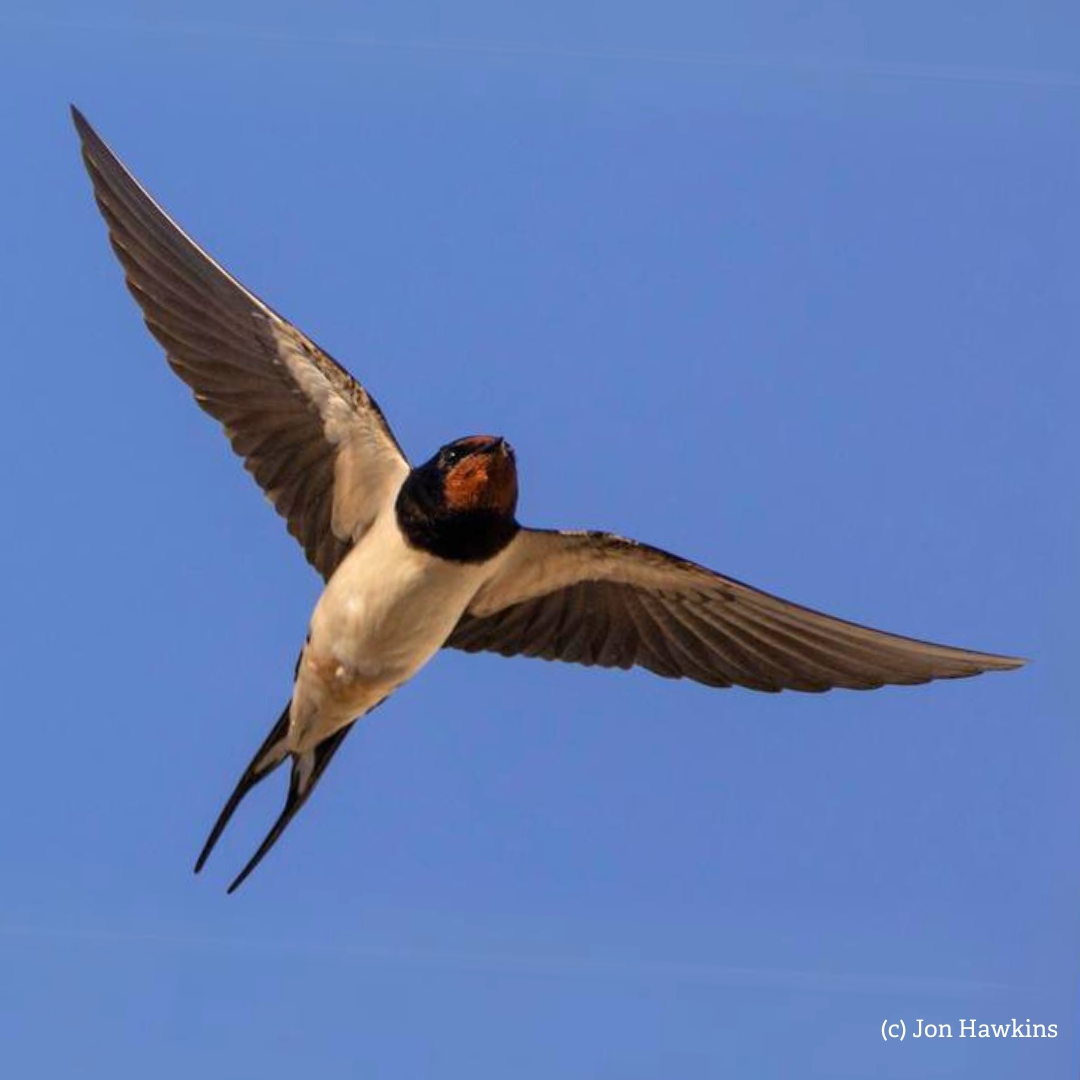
[(385, 612)]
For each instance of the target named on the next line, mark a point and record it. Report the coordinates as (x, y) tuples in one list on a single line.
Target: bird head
[(477, 473), (460, 504)]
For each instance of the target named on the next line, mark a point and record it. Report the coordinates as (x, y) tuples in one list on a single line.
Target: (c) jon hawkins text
[(969, 1029)]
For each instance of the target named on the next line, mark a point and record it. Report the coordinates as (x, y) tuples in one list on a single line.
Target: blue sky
[(789, 290)]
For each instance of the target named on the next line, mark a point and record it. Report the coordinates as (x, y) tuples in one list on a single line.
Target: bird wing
[(310, 434), (595, 598)]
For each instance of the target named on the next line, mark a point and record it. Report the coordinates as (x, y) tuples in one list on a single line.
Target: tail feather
[(268, 757), (307, 768)]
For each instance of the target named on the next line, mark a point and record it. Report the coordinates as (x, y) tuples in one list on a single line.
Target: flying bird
[(420, 558)]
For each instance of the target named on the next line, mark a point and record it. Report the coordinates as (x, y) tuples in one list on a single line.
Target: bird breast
[(389, 607)]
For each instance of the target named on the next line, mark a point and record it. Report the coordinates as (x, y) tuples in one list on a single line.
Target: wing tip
[(93, 146), (82, 125), (1003, 663)]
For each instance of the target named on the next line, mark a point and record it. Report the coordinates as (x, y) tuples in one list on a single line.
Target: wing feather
[(313, 438), (595, 598)]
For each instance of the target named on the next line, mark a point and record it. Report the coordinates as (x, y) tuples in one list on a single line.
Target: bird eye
[(452, 455)]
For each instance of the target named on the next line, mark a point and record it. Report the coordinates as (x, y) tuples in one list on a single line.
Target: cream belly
[(385, 612)]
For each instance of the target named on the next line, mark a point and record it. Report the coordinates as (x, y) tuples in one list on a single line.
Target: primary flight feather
[(418, 558)]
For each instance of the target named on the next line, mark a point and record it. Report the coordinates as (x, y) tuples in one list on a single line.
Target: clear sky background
[(789, 289)]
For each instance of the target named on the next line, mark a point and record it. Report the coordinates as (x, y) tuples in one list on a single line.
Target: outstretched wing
[(312, 436), (595, 598)]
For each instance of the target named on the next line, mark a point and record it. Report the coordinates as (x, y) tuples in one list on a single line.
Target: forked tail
[(307, 768)]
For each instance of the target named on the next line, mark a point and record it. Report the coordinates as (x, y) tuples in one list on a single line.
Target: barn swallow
[(416, 559)]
